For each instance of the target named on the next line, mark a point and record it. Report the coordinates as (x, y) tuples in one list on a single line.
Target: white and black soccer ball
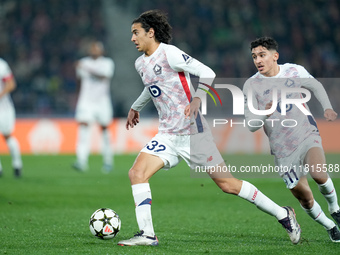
[(105, 223)]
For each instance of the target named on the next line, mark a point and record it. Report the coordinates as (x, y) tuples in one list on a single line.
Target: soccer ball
[(105, 223)]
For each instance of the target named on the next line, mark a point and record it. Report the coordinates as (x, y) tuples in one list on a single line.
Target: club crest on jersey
[(157, 69), (289, 83)]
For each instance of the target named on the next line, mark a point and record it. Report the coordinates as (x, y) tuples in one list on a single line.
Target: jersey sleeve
[(5, 71), (247, 113), (179, 61), (80, 72), (312, 84), (142, 100)]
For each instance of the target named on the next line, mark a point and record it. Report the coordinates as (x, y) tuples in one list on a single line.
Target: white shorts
[(7, 120), (101, 112), (292, 167), (173, 148)]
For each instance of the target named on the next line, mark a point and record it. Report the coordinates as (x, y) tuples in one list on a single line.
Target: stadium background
[(41, 40), (47, 210)]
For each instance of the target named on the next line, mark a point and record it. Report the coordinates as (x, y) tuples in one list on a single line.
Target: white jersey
[(284, 140), (166, 76), (5, 74), (93, 88)]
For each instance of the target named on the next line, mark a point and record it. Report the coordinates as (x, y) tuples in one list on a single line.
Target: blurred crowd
[(219, 32), (41, 39)]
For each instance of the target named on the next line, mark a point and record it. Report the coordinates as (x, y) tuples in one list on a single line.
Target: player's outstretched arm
[(132, 119), (330, 114)]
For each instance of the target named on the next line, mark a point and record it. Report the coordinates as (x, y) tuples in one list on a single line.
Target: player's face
[(96, 50), (141, 38), (265, 61)]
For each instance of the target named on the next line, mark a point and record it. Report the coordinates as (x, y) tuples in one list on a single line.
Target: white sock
[(83, 144), (142, 196), (250, 193), (328, 191), (14, 149), (319, 216), (107, 150)]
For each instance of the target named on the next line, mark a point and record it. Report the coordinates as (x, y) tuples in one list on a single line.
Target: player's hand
[(192, 108), (330, 115), (268, 106), (132, 119)]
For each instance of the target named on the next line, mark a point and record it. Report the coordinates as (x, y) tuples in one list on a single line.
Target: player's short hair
[(268, 42), (157, 20)]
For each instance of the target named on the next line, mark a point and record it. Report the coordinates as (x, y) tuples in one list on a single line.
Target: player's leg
[(82, 146), (107, 150), (315, 157), (14, 149), (304, 194), (145, 166), (285, 215), (103, 115), (6, 128)]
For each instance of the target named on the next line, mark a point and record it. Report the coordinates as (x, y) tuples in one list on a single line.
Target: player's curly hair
[(268, 42), (157, 20)]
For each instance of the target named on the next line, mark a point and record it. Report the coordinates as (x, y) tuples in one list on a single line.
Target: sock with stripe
[(142, 195), (319, 216), (328, 191), (250, 193)]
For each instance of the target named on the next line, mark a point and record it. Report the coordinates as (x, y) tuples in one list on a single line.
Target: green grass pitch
[(48, 209)]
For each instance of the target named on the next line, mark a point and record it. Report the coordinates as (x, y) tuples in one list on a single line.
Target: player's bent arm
[(179, 61), (104, 72), (10, 85), (319, 91), (142, 100)]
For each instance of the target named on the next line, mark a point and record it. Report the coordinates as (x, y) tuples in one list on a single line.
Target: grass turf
[(47, 211)]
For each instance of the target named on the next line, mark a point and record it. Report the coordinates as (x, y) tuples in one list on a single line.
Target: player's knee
[(136, 175), (228, 188), (307, 203)]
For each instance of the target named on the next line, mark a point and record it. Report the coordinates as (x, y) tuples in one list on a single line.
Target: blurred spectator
[(41, 41)]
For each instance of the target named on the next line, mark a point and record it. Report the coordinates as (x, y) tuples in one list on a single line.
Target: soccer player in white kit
[(165, 71), (94, 104), (297, 148), (7, 116)]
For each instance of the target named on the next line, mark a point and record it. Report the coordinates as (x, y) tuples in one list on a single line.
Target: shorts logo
[(157, 69), (210, 158), (316, 141), (266, 92)]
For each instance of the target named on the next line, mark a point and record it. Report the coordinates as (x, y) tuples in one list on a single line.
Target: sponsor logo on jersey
[(186, 57), (157, 69)]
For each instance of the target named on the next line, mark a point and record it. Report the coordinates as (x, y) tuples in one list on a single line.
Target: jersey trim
[(185, 85)]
